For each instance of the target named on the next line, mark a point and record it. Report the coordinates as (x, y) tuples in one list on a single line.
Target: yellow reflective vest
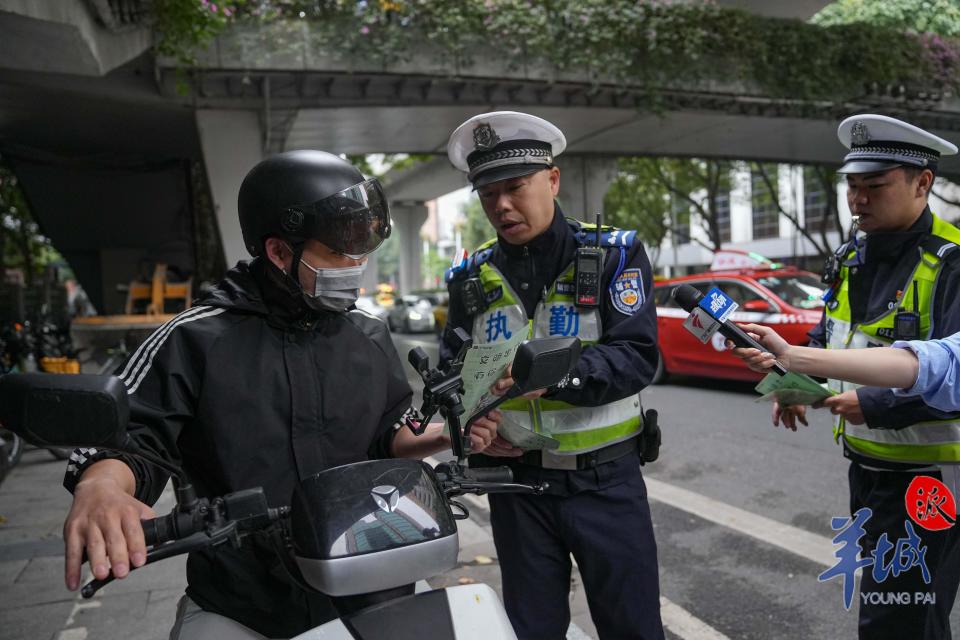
[(924, 442), (578, 429)]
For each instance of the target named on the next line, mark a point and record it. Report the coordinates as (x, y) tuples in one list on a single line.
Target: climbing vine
[(646, 44)]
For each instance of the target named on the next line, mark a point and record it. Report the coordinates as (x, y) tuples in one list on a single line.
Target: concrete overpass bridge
[(250, 97)]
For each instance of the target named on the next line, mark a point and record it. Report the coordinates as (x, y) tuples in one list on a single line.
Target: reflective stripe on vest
[(925, 442), (578, 429)]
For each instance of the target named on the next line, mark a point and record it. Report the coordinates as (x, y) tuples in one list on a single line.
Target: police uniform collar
[(891, 246), (546, 241)]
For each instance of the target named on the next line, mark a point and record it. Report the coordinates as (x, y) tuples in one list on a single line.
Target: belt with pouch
[(549, 460)]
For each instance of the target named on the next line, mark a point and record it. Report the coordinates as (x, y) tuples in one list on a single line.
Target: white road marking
[(813, 547), (675, 618), (80, 605), (684, 624), (480, 502), (69, 632), (576, 633)]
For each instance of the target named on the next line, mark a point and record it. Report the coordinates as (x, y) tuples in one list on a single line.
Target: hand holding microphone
[(774, 349), (690, 299)]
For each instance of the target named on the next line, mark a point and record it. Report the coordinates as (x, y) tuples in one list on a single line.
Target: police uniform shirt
[(886, 260), (625, 359)]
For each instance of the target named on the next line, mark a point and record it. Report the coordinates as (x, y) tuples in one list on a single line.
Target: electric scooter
[(362, 533)]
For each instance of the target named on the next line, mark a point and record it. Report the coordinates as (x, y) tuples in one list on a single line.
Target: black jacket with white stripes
[(248, 389)]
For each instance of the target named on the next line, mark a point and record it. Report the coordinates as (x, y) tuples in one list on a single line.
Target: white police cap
[(880, 143), (504, 144)]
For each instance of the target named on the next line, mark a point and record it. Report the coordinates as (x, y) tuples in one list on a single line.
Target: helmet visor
[(353, 222)]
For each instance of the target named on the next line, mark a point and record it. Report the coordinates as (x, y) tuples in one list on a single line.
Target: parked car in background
[(411, 314), (785, 298), (369, 305), (440, 315), (385, 296), (439, 298)]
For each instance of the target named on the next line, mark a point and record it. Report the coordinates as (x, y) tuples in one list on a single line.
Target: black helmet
[(302, 195)]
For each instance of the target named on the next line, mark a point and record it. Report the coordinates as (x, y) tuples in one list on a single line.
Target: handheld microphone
[(689, 298)]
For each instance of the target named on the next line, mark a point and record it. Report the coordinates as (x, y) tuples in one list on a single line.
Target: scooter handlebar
[(158, 530), (489, 474)]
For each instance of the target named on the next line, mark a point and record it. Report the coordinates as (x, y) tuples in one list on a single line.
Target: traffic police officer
[(899, 281), (524, 281)]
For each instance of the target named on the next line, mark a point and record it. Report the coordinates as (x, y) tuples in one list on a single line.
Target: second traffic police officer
[(596, 508), (899, 281)]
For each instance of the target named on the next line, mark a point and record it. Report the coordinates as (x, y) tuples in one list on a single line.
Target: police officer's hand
[(506, 381), (846, 404), (105, 520), (789, 415), (762, 361), (502, 449), (483, 432)]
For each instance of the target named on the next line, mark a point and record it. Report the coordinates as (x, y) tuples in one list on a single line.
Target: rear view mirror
[(544, 362), (538, 364), (48, 409)]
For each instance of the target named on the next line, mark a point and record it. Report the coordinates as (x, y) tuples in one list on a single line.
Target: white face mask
[(336, 289)]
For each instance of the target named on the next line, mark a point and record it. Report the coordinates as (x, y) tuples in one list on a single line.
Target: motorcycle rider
[(272, 377)]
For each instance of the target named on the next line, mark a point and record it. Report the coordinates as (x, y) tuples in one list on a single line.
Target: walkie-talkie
[(907, 323), (588, 267)]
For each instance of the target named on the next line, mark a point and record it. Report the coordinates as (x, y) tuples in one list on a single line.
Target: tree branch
[(704, 213), (665, 181), (714, 170), (950, 201), (830, 189), (792, 217)]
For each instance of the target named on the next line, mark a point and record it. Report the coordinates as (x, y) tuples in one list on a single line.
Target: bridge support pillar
[(370, 276), (232, 143), (408, 218), (584, 181)]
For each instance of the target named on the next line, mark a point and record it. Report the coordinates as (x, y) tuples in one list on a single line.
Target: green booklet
[(525, 438), (793, 388), (483, 365)]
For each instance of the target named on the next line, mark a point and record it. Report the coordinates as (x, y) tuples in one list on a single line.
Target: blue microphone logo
[(718, 304)]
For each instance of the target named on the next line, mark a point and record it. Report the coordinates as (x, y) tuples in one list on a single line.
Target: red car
[(787, 299)]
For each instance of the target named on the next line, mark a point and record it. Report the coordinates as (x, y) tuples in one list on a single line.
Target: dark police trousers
[(887, 615), (602, 517)]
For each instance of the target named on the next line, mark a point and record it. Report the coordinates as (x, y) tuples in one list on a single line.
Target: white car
[(369, 305), (411, 314)]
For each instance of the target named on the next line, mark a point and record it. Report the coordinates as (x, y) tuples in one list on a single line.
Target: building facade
[(751, 220)]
